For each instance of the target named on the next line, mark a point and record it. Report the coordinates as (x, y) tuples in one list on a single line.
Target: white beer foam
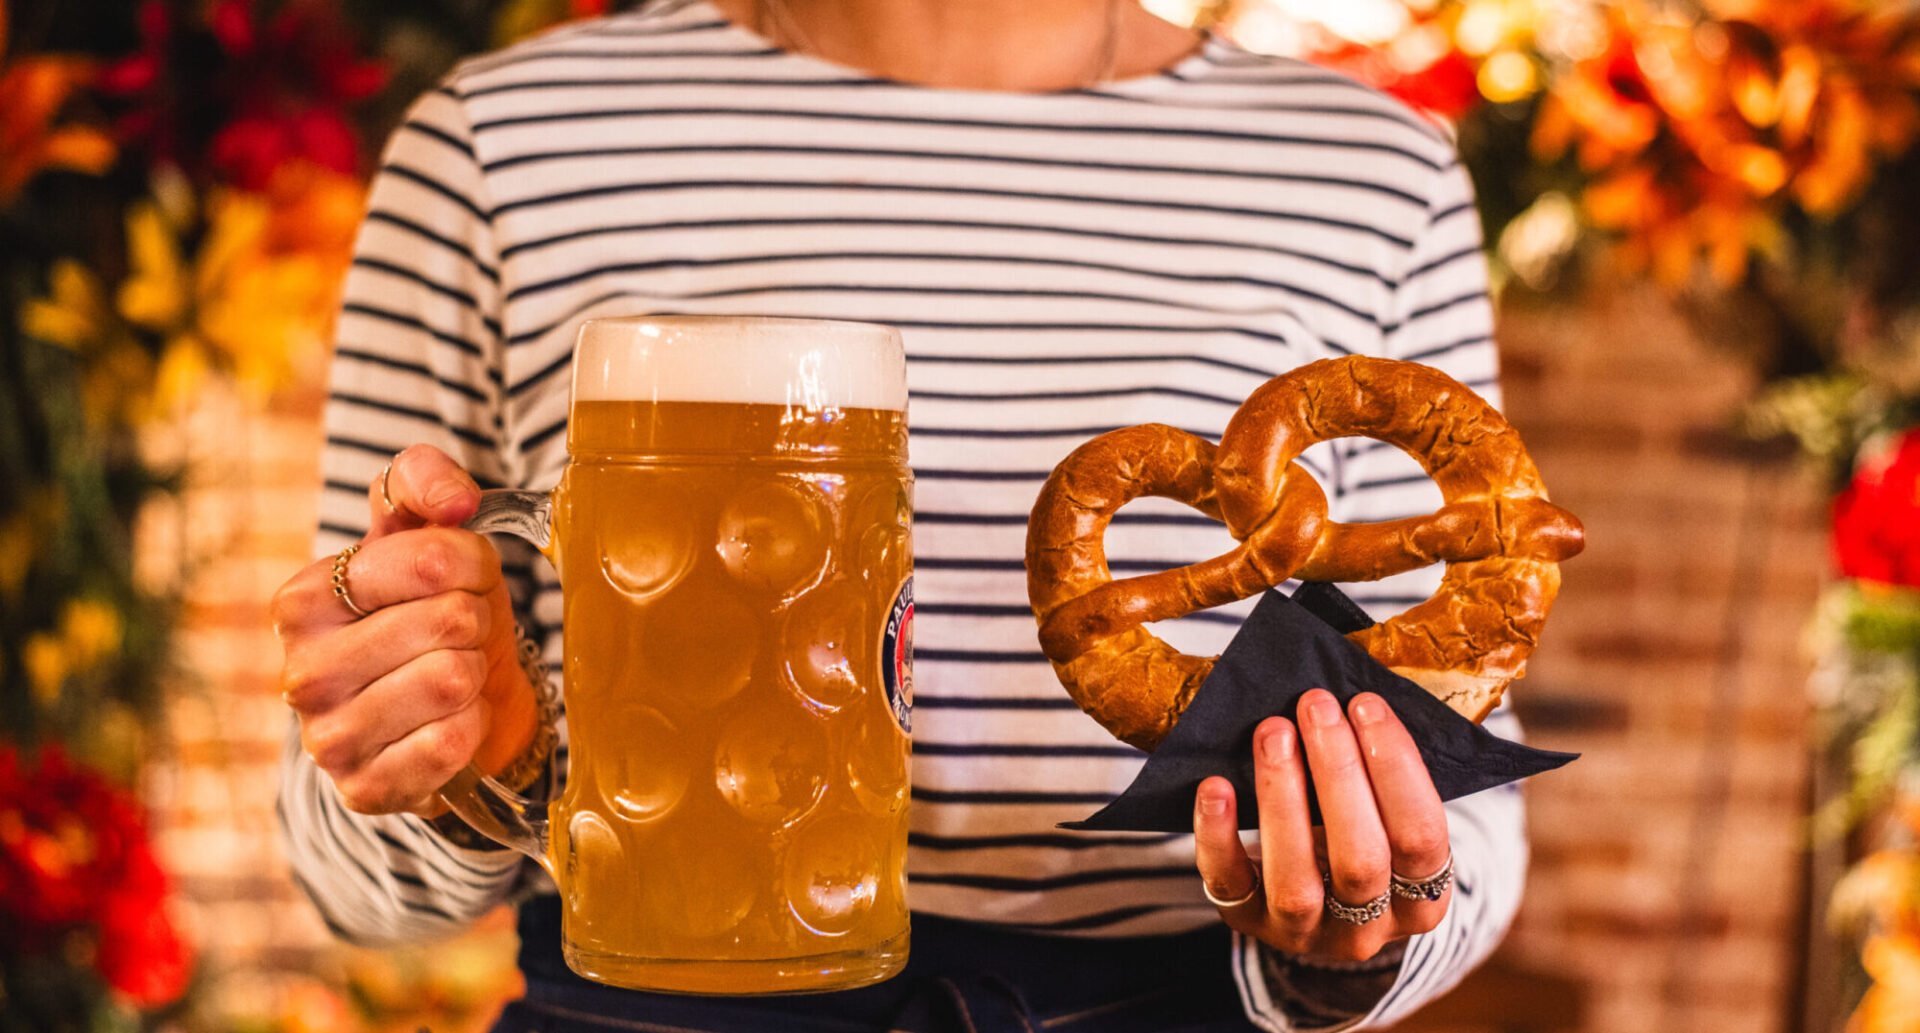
[(814, 364)]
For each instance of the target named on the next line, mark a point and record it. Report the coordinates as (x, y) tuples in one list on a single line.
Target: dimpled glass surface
[(734, 818)]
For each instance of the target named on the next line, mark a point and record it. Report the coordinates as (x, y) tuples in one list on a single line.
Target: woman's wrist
[(1326, 990)]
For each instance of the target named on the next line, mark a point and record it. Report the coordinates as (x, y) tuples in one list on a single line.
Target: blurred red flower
[(74, 853), (1876, 520), (1446, 88), (141, 954), (139, 78), (281, 86), (64, 837)]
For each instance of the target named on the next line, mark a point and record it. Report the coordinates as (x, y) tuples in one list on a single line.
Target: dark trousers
[(960, 978)]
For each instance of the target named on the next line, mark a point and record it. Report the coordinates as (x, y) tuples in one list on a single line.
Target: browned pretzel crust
[(1500, 537)]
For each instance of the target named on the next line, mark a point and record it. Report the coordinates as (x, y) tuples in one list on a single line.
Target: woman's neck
[(1011, 45)]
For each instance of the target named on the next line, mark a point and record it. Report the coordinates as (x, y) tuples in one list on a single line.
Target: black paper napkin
[(1286, 647)]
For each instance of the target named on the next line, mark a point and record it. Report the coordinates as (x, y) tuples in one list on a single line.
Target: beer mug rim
[(850, 327), (816, 363)]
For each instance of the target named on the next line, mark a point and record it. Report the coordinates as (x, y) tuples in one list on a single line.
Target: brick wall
[(243, 527), (1664, 892), (1665, 887)]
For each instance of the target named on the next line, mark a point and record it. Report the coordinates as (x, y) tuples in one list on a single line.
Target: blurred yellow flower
[(75, 313), (1486, 26), (1508, 76), (117, 371), (92, 631), (153, 295), (45, 659), (257, 296), (23, 537)]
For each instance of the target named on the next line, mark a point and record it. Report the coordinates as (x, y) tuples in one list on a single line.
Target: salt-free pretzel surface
[(1501, 539)]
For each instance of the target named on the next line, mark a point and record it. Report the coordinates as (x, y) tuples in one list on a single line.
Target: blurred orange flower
[(1892, 1005), (1881, 893), (32, 92), (1701, 136), (258, 295)]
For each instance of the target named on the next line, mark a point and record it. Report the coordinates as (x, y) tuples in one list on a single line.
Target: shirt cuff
[(1284, 995), (458, 836), (463, 843)]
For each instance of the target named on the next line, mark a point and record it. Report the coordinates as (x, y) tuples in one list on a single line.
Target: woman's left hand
[(1382, 816)]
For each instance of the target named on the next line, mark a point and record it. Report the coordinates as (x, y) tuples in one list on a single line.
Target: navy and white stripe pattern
[(1062, 264)]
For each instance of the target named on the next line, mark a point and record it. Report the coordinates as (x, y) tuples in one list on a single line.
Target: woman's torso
[(1061, 265)]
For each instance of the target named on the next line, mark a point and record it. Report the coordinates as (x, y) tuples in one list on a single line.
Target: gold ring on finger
[(1355, 914), (385, 498), (1430, 888), (340, 580)]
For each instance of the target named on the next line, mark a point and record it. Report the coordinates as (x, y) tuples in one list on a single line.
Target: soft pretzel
[(1501, 539)]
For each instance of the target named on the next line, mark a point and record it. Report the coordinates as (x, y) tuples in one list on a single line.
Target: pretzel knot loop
[(1501, 539)]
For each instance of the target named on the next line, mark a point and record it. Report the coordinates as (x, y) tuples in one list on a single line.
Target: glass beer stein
[(732, 540)]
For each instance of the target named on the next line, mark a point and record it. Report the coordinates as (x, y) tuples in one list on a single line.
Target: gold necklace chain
[(775, 20)]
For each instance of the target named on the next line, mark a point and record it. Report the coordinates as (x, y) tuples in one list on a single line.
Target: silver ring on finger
[(1355, 914), (1245, 898), (385, 498), (1430, 888), (339, 580)]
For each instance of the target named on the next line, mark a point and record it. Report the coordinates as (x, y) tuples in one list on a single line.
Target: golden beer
[(732, 537)]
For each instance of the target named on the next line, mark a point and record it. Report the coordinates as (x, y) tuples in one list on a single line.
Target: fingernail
[(1367, 708), (1213, 806), (1277, 743), (1323, 711), (447, 491)]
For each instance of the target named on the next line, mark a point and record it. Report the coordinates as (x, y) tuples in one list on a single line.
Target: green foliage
[(75, 484), (1868, 691), (1884, 621)]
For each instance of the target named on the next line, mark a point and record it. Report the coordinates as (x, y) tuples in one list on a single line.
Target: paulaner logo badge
[(896, 657)]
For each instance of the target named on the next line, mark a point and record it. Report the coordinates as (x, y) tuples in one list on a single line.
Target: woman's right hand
[(392, 705)]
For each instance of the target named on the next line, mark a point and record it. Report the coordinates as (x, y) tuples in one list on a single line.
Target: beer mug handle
[(494, 811)]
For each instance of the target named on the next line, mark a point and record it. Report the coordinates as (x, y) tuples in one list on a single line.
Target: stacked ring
[(1252, 891), (1355, 914), (385, 498), (340, 580), (1429, 888)]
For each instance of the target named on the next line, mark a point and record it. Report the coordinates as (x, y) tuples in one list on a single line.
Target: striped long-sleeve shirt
[(1061, 264)]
